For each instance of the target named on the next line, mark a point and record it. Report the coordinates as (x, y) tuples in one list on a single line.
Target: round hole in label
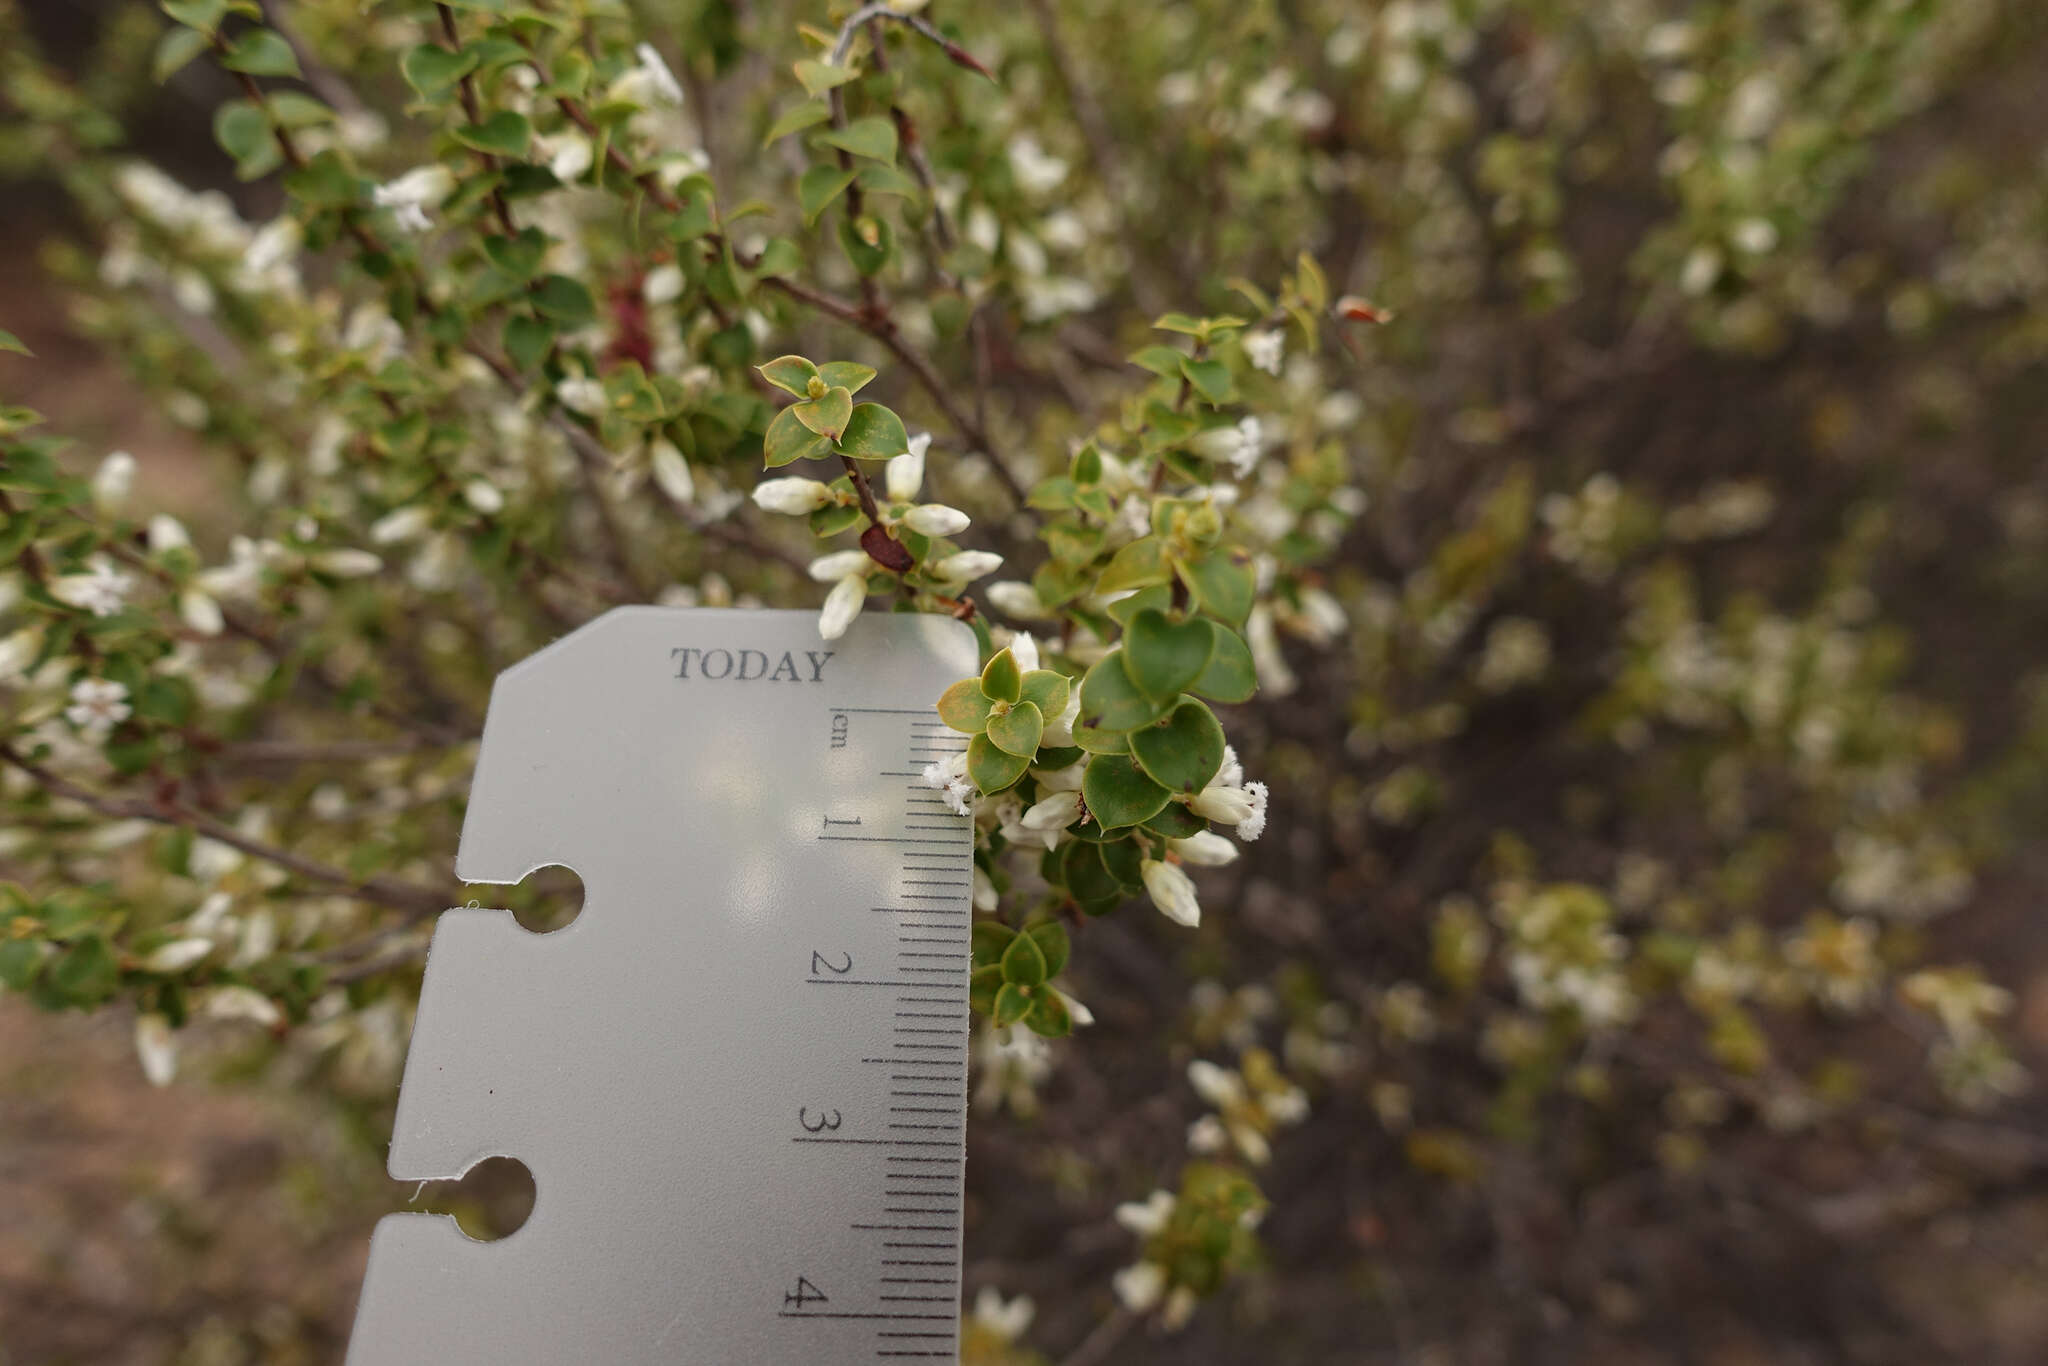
[(492, 1200), (546, 899)]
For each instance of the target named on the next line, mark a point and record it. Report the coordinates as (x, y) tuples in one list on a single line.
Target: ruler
[(738, 1077)]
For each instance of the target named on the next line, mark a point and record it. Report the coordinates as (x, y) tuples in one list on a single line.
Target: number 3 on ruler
[(821, 964), (827, 1119)]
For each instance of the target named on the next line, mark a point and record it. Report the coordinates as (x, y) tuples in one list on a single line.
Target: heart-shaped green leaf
[(1162, 656), (1099, 741), (1024, 962), (528, 340), (1119, 793), (1138, 565), (796, 118), (1223, 583), (1001, 679), (1183, 749), (1012, 1003), (1176, 822), (1047, 690), (873, 433), (850, 375), (989, 938), (1049, 1016), (504, 134), (991, 769), (1125, 861), (792, 374), (818, 77), (1051, 937), (431, 69), (873, 136), (1229, 675), (1210, 378), (1111, 703), (827, 416), (565, 299), (818, 187), (261, 52), (965, 707), (1016, 731), (788, 439), (1158, 597), (1091, 884), (982, 985)]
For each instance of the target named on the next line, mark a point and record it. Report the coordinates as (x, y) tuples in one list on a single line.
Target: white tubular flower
[(568, 154), (347, 564), (178, 955), (936, 519), (904, 474), (1264, 350), (792, 495), (1172, 891), (1140, 1287), (412, 194), (660, 79), (842, 605), (1231, 774), (484, 496), (156, 1049), (1205, 849), (1055, 812), (967, 565), (200, 612), (273, 246), (1147, 1217), (243, 1003), (1207, 1135), (985, 897), (671, 472), (1080, 1014), (1239, 446), (1066, 779), (401, 524), (113, 482), (1014, 599), (1223, 805), (1004, 1321), (1024, 650), (581, 394), (166, 533), (840, 563)]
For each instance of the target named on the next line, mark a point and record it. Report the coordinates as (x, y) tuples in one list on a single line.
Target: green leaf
[(1119, 793), (877, 178), (432, 69), (849, 375), (827, 415), (1012, 1004), (1001, 679), (21, 961), (982, 985), (873, 137), (1175, 822), (818, 187), (991, 769), (528, 340), (1179, 322), (1049, 1016), (10, 342), (244, 134), (86, 974), (504, 134), (1162, 657), (965, 707), (296, 109), (564, 299), (261, 52), (1211, 379), (1016, 731), (987, 940), (1182, 750), (1159, 596), (519, 256), (867, 242), (873, 433), (796, 118), (791, 374), (788, 439), (177, 47), (1230, 675), (819, 77), (1051, 938), (1087, 880), (1224, 583), (1024, 962), (1111, 702), (1047, 690), (1138, 565), (1163, 361), (204, 15)]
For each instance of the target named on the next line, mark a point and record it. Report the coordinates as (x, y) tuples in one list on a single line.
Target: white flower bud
[(1207, 849), (791, 495), (1148, 1217), (1055, 812), (178, 955), (401, 524), (19, 650), (1140, 1287), (483, 495), (1217, 1085), (904, 474), (167, 533), (842, 605), (243, 1003), (663, 285), (200, 612), (1014, 599), (936, 519), (1172, 891), (156, 1048), (671, 472), (347, 564), (967, 565), (1224, 805), (113, 482)]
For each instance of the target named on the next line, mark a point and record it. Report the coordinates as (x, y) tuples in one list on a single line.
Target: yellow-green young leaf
[(1047, 690), (432, 69), (990, 768), (877, 178), (1229, 675), (1001, 679), (1162, 361), (788, 439), (826, 415), (1223, 582), (1210, 378), (849, 375), (1012, 1003), (1016, 731), (1181, 750), (987, 940), (504, 134), (796, 118), (818, 187), (1051, 937), (873, 137), (1119, 793), (177, 47), (1024, 962), (873, 433), (1309, 281), (819, 77), (1138, 565), (1111, 703), (10, 342), (1162, 657), (1049, 1016), (965, 707), (260, 52), (1178, 322), (791, 374)]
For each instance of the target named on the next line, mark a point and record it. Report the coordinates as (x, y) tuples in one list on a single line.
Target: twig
[(1096, 1347), (466, 87)]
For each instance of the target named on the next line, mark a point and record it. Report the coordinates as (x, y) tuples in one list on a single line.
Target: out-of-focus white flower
[(97, 706), (1037, 172), (18, 650), (792, 495), (412, 194), (113, 482), (936, 519), (484, 496), (1005, 1321), (568, 154), (198, 610), (243, 1003), (1149, 1216), (401, 524), (660, 79), (842, 605), (1266, 349), (663, 285), (156, 1048), (166, 532), (671, 471), (904, 474), (1014, 599), (1172, 891), (1140, 1287), (1239, 446), (177, 955), (582, 394), (346, 564)]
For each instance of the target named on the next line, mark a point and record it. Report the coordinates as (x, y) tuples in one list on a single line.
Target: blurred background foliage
[(1644, 960)]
